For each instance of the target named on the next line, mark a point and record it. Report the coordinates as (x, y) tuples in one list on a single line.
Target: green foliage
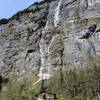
[(63, 97), (3, 81), (19, 88), (83, 84), (42, 2), (11, 25), (30, 95), (71, 84), (3, 21)]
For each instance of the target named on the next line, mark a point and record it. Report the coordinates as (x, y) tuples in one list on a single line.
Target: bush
[(36, 3), (11, 25), (3, 21), (19, 88), (79, 85)]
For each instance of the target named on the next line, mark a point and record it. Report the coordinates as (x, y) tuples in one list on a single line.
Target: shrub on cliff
[(3, 21)]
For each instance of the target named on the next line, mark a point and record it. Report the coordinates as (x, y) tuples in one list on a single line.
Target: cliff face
[(45, 37)]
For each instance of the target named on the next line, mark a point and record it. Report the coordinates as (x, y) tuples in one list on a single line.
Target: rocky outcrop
[(34, 39)]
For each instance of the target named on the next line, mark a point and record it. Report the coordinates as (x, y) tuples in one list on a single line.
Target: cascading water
[(91, 2), (45, 69), (57, 13)]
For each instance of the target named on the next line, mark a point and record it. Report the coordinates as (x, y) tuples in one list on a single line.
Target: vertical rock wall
[(32, 40)]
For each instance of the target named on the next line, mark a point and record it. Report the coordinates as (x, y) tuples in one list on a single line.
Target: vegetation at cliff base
[(70, 84), (83, 84)]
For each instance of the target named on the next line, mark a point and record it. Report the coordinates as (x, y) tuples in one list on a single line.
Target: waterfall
[(45, 65), (57, 13), (91, 2), (42, 51)]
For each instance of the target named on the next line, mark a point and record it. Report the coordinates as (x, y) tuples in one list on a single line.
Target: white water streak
[(57, 13), (44, 51), (92, 2)]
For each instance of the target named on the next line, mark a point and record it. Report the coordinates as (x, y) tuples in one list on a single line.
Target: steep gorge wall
[(34, 40)]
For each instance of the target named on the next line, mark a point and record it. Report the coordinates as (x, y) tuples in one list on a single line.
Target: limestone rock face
[(45, 37)]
